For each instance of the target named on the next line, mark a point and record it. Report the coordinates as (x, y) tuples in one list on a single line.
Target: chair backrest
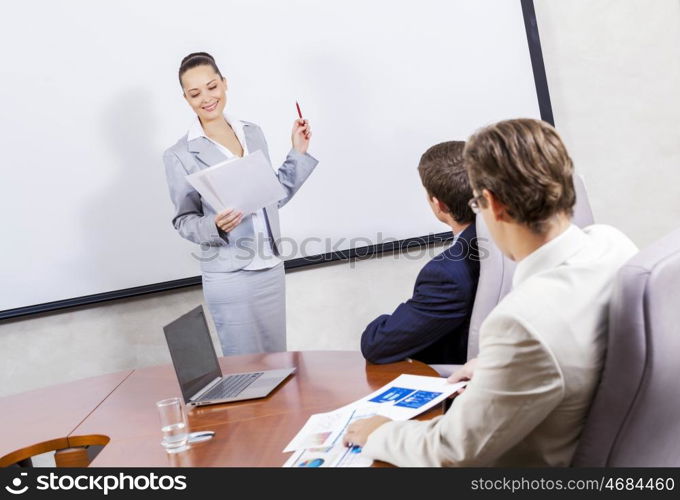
[(634, 420), (496, 270)]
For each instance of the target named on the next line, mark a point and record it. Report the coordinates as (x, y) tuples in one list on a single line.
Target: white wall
[(614, 74), (613, 71)]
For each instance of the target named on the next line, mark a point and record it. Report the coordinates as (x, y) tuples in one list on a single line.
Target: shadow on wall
[(128, 127)]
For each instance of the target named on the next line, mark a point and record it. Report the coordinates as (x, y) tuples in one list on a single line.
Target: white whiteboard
[(90, 99)]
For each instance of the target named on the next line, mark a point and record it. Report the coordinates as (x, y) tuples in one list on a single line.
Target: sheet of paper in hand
[(245, 184)]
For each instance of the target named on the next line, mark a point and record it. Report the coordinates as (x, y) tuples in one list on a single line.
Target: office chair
[(496, 270), (634, 420)]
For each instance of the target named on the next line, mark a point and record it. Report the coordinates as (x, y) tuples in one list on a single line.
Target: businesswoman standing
[(242, 272)]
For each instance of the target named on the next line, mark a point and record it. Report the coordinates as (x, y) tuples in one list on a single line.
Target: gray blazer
[(195, 220)]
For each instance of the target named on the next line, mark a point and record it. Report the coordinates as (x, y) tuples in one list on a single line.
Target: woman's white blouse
[(264, 255)]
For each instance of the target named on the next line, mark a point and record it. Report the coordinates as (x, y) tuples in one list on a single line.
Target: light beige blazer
[(541, 352)]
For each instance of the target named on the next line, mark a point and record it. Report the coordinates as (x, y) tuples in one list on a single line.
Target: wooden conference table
[(118, 410)]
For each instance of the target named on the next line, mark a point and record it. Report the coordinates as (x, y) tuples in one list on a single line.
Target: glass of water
[(173, 425)]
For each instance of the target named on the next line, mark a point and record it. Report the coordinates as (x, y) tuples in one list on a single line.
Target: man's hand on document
[(228, 219), (358, 432), (464, 373)]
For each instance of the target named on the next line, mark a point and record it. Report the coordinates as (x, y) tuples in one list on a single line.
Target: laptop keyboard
[(231, 386)]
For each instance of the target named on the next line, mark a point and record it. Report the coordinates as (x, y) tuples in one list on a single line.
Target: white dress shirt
[(264, 255), (540, 357)]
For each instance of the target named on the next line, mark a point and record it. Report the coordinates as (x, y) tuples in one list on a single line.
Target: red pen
[(298, 109)]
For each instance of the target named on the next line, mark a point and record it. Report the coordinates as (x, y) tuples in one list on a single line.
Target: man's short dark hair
[(444, 177)]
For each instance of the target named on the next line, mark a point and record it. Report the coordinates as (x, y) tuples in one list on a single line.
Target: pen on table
[(195, 437)]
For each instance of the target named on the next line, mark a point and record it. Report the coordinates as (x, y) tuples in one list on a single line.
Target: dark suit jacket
[(432, 326)]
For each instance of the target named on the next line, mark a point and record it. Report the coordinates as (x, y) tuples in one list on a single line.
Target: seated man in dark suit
[(432, 326)]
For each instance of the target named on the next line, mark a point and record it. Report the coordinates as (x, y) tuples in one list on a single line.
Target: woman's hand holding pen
[(228, 219), (302, 133)]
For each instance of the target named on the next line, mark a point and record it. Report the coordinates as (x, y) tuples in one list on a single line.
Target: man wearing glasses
[(542, 348)]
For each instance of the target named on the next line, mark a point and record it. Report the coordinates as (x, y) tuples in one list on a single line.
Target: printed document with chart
[(319, 442), (245, 184)]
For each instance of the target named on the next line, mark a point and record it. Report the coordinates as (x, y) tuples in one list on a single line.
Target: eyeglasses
[(474, 204)]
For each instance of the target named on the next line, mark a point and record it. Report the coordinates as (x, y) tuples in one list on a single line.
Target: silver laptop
[(198, 370)]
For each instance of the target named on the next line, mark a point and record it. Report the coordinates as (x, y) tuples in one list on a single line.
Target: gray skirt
[(248, 308)]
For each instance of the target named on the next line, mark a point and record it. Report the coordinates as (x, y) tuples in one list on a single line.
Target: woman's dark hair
[(197, 59)]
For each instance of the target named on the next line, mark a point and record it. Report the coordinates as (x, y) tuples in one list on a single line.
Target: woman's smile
[(211, 107)]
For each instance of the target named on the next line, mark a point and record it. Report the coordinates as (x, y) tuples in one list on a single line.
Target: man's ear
[(498, 209), (441, 206)]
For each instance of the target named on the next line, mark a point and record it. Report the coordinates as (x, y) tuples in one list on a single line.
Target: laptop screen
[(192, 352)]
